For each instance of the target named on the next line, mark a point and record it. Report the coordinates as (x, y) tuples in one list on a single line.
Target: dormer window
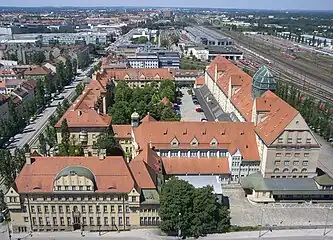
[(72, 172), (174, 142), (194, 142)]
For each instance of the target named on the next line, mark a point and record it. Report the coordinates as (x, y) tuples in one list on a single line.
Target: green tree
[(79, 89), (68, 71), (65, 104), (139, 40), (49, 87), (169, 115), (60, 76), (7, 167), (74, 66), (121, 113), (3, 204), (65, 135), (40, 94), (106, 141), (42, 144), (38, 58)]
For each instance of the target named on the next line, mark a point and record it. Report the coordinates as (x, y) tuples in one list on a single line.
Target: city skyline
[(237, 4)]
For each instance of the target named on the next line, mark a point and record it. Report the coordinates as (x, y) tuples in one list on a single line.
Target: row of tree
[(143, 100), (191, 212), (317, 114)]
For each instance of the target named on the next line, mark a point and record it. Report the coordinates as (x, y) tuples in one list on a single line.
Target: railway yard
[(309, 69)]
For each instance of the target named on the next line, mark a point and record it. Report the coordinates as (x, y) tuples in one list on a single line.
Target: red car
[(198, 109)]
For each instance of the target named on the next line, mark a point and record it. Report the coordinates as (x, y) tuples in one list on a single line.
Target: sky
[(243, 4)]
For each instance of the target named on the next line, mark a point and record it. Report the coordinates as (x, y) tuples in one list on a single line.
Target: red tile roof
[(148, 118), (122, 131), (200, 80), (229, 135), (37, 71), (165, 101), (181, 166), (142, 175), (111, 174), (142, 74)]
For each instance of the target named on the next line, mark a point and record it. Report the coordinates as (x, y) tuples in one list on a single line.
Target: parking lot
[(187, 108)]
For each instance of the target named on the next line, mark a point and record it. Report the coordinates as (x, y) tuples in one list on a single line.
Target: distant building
[(38, 73), (155, 59)]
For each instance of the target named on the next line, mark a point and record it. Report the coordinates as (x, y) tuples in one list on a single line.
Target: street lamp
[(261, 219), (328, 211)]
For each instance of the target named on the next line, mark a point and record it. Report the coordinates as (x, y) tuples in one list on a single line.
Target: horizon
[(282, 5)]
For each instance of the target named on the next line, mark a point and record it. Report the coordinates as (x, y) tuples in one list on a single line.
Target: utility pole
[(260, 227)]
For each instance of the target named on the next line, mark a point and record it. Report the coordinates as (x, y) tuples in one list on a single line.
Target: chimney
[(86, 153), (27, 158), (102, 154), (215, 77), (150, 144)]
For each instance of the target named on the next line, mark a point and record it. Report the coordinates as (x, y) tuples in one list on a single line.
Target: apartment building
[(38, 73), (97, 193), (155, 59), (286, 145), (87, 118)]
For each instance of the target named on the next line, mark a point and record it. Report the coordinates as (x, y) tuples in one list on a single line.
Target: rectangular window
[(26, 219), (32, 209), (280, 140), (73, 188), (84, 220), (105, 209), (88, 188), (305, 163), (174, 154), (286, 163), (306, 155), (106, 221), (66, 188), (296, 163), (113, 221), (91, 221), (203, 154), (83, 209), (90, 209), (212, 153), (277, 162), (128, 221), (278, 154), (98, 208), (68, 209), (194, 154), (308, 140), (119, 198), (62, 221), (34, 222), (133, 198), (98, 221), (53, 209), (288, 154), (120, 208), (297, 154), (112, 208), (55, 221), (299, 140), (120, 221), (61, 209), (46, 209), (39, 209), (183, 154), (81, 188), (69, 221), (290, 140), (40, 221), (127, 209)]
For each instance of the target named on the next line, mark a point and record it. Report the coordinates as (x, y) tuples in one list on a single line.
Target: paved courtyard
[(325, 156), (244, 213), (187, 108)]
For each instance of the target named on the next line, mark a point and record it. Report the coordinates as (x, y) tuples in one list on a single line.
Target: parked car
[(198, 109), (196, 102), (59, 97), (176, 107), (204, 120)]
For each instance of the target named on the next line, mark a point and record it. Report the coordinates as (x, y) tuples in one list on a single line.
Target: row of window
[(285, 170), (83, 209), (74, 188), (47, 221), (295, 154), (295, 163), (86, 198), (193, 154), (298, 140), (149, 221), (299, 176)]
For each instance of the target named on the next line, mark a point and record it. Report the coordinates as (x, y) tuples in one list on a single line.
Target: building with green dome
[(262, 81)]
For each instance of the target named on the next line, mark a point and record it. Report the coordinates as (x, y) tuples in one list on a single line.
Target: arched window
[(276, 170), (304, 170), (295, 170), (285, 170)]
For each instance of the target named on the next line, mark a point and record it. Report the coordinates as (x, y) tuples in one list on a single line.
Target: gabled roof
[(111, 174), (122, 131), (148, 74), (148, 118)]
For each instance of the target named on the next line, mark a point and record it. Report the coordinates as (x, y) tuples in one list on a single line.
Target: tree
[(195, 212), (68, 71), (169, 115), (74, 66), (139, 40), (50, 136), (42, 144), (79, 89), (106, 141), (65, 136), (49, 87), (60, 76), (65, 104), (7, 167), (121, 113), (3, 204), (40, 94), (38, 58)]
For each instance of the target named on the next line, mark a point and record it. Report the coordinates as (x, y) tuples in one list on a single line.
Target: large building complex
[(268, 148), (155, 59)]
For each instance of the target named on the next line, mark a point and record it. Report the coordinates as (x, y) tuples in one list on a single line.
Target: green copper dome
[(262, 81), (76, 170)]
